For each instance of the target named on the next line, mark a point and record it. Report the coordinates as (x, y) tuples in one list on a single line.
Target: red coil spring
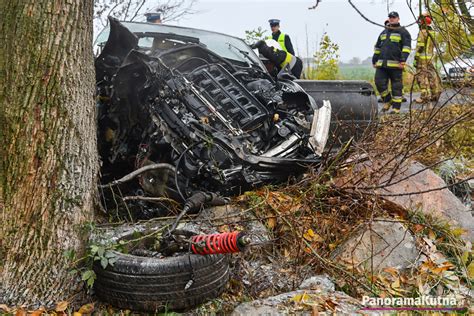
[(215, 243)]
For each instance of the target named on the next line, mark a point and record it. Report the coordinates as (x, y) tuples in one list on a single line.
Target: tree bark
[(48, 150)]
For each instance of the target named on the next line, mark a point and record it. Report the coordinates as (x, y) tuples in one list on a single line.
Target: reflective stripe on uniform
[(385, 93), (393, 63), (397, 99), (406, 49), (376, 51), (383, 37), (395, 37), (289, 59), (390, 63)]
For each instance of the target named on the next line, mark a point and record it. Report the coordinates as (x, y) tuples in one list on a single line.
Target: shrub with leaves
[(326, 61), (104, 254), (252, 36)]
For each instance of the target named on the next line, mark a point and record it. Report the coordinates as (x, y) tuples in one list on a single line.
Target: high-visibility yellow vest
[(281, 41), (290, 60)]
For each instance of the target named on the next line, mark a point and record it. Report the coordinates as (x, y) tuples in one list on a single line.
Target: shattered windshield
[(226, 46)]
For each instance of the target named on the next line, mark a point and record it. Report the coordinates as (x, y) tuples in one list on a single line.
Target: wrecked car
[(204, 104), (187, 117)]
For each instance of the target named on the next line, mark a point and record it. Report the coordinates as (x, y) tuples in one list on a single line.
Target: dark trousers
[(297, 68), (394, 75)]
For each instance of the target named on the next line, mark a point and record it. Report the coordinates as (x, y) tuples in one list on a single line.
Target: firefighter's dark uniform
[(280, 58), (393, 47), (284, 41)]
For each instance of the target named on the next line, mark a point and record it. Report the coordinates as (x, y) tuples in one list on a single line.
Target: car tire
[(150, 284)]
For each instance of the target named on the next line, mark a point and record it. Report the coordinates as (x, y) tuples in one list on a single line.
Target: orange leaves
[(434, 268), (281, 202), (317, 301), (271, 222), (86, 309), (418, 228), (274, 204), (61, 306), (311, 236), (20, 312), (277, 201), (61, 309)]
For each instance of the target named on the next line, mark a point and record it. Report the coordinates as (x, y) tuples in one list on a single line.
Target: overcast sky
[(355, 36)]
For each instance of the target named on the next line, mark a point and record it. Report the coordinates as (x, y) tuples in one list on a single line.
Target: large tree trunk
[(48, 146)]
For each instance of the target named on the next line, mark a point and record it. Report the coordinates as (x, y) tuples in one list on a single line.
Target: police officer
[(426, 74), (153, 17), (282, 38), (279, 58), (391, 52)]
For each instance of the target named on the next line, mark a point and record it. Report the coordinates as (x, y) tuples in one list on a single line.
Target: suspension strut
[(219, 243)]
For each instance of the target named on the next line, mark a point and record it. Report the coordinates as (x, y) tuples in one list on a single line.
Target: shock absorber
[(219, 243)]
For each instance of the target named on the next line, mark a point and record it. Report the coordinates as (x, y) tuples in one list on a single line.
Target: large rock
[(405, 186), (301, 302), (439, 202), (377, 245)]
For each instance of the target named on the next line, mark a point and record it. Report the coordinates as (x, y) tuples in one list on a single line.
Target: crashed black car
[(203, 105), (191, 116)]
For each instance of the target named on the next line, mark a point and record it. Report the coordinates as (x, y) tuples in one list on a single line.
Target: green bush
[(326, 61)]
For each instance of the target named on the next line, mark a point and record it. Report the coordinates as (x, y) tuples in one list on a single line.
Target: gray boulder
[(301, 302), (377, 245), (404, 188)]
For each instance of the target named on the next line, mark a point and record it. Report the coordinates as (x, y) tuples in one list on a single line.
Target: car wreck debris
[(150, 284), (215, 122), (219, 243), (189, 117)]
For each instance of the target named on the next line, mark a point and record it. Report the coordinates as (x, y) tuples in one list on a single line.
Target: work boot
[(395, 111), (386, 107), (419, 100)]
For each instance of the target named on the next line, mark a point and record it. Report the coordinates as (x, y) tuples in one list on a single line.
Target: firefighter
[(426, 74), (278, 58), (282, 38), (391, 52)]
